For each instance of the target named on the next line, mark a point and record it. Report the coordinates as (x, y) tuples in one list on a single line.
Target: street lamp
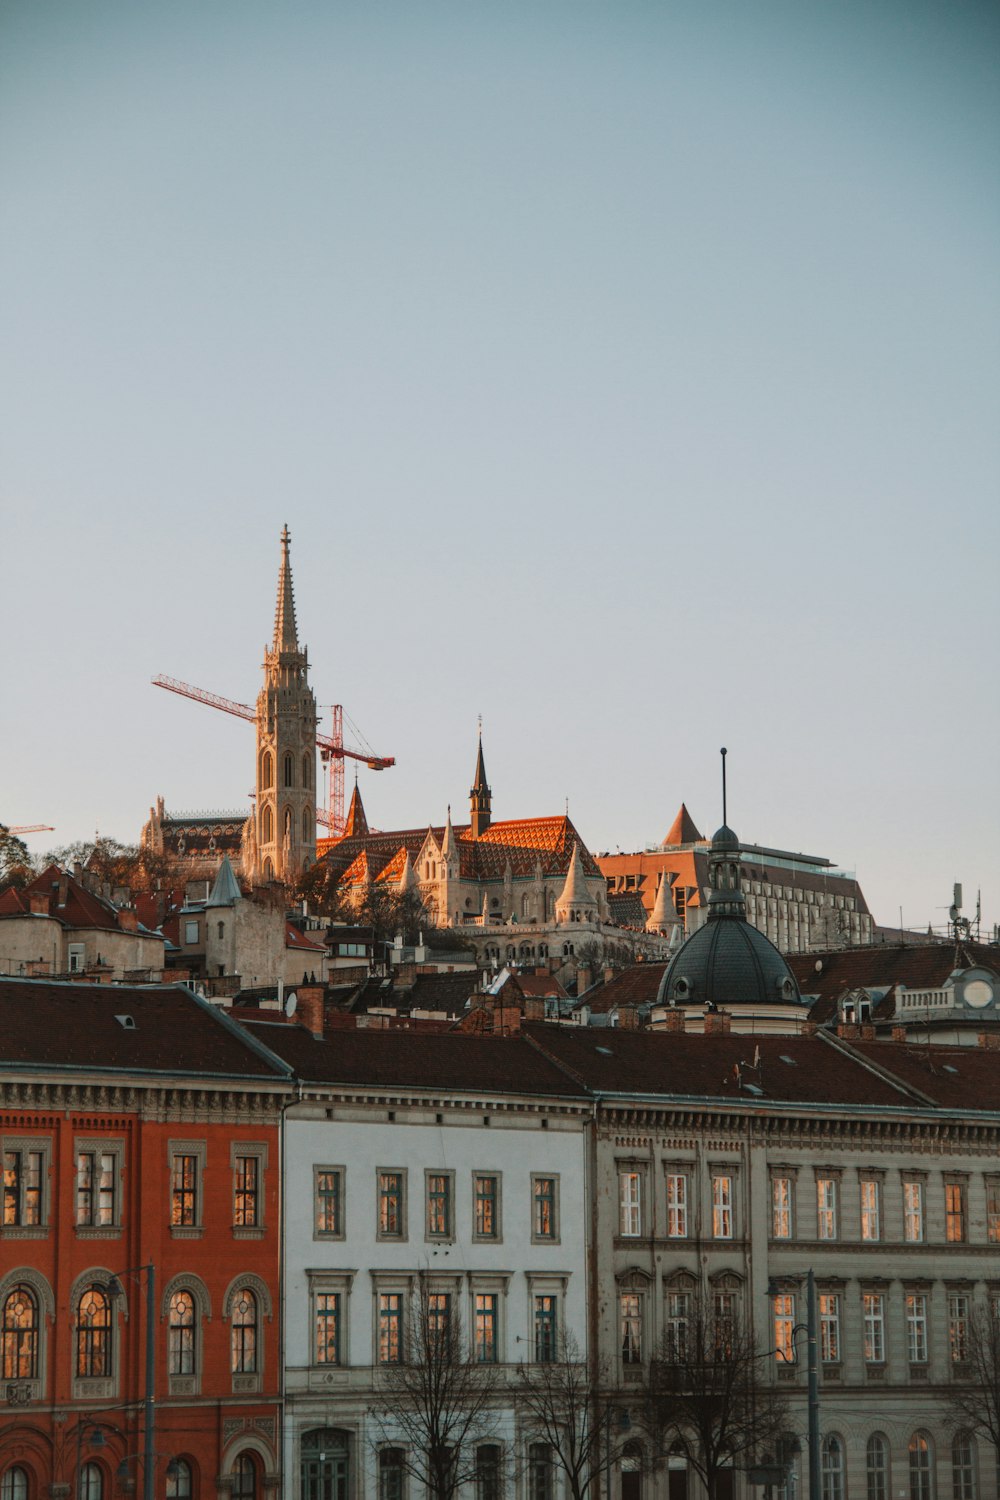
[(114, 1289), (812, 1367)]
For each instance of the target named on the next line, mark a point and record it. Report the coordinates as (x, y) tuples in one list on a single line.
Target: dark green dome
[(728, 962)]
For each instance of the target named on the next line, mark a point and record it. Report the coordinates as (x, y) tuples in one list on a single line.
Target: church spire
[(285, 633), (357, 824), (480, 797)]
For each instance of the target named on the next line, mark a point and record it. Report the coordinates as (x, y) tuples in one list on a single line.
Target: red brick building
[(140, 1138)]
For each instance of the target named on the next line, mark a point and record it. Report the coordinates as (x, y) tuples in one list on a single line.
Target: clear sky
[(626, 373)]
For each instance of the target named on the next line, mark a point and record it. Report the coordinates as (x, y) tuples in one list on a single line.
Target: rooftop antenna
[(723, 753)]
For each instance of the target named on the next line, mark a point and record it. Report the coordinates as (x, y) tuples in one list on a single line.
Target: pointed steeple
[(357, 824), (226, 889), (663, 917), (682, 829), (480, 799), (576, 902), (449, 844), (407, 878), (285, 634)]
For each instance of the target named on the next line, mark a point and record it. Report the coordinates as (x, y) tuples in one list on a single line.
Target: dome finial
[(723, 753)]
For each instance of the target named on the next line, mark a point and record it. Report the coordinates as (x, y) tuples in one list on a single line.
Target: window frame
[(827, 1206), (480, 1235), (631, 1204), (631, 1343), (540, 1235), (398, 1195), (436, 1198), (956, 1218), (389, 1319), (679, 1206), (786, 1210), (914, 1208), (723, 1204), (870, 1189), (873, 1326), (255, 1151), (18, 1226), (915, 1311), (197, 1150), (96, 1147), (322, 1198), (783, 1328), (12, 1348), (828, 1318)]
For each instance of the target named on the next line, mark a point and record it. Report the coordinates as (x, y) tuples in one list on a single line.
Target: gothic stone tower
[(286, 746)]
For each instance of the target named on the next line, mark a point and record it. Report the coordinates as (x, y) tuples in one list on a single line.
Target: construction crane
[(32, 828), (331, 746)]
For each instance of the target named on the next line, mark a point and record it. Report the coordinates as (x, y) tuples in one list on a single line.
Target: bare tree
[(703, 1395), (974, 1405), (438, 1404), (564, 1408)]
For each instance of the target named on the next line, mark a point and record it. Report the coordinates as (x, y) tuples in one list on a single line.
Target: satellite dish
[(291, 1003)]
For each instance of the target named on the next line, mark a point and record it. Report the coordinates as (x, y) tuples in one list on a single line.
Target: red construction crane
[(331, 747), (33, 828)]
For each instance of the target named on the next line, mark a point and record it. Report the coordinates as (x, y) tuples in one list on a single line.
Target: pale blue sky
[(626, 373)]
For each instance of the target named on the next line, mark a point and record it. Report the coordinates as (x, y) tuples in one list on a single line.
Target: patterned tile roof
[(520, 842), (627, 909)]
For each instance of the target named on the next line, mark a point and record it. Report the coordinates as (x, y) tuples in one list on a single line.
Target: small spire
[(663, 916), (722, 752), (480, 799), (449, 848), (285, 633), (357, 824)]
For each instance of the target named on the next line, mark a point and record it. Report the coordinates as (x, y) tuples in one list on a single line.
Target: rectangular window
[(826, 1207), (486, 1207), (390, 1328), (327, 1328), (391, 1470), (246, 1192), (954, 1212), (631, 1328), (723, 1324), (488, 1486), (439, 1197), (540, 1485), (630, 1204), (958, 1328), (190, 933), (329, 1202), (95, 1188), (678, 1318), (993, 1209), (184, 1190), (873, 1306), (677, 1206), (829, 1328), (722, 1207), (486, 1328), (391, 1206), (545, 1329), (913, 1211), (438, 1314), (544, 1208), (781, 1208), (784, 1323), (22, 1187), (916, 1327), (871, 1209)]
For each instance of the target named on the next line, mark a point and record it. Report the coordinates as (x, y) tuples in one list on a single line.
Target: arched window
[(180, 1484), (267, 770), (244, 1478), (288, 823), (920, 1467), (180, 1334), (267, 826), (268, 870), (325, 1464), (244, 1333), (306, 824), (289, 771), (789, 1449), (539, 1471), (93, 1339), (14, 1484), (832, 1468), (488, 1472), (963, 1467), (307, 771), (877, 1466), (91, 1482), (19, 1335)]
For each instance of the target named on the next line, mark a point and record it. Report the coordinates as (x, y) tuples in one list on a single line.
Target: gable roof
[(67, 899)]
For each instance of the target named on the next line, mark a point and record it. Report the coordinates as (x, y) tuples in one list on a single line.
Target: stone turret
[(576, 902), (663, 917)]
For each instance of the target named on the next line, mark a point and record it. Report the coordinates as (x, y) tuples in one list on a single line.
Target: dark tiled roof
[(688, 1065), (82, 908), (73, 1026), (448, 992), (730, 962), (881, 966), (954, 1077), (443, 1061), (627, 909), (638, 985)]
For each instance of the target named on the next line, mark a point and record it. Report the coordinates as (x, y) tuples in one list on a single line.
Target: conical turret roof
[(357, 823), (449, 847), (682, 829), (407, 879), (226, 889), (479, 779), (663, 914), (285, 633), (576, 892)]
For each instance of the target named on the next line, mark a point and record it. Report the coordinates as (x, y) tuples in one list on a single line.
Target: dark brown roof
[(67, 899), (637, 985), (954, 1077), (444, 1062), (48, 1025), (828, 975), (689, 1065)]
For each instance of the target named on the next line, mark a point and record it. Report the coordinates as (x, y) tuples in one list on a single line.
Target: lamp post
[(812, 1372), (115, 1290)]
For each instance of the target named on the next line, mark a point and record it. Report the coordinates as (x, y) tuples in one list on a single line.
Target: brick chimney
[(534, 1008), (849, 1030), (718, 1023), (309, 1011), (628, 1018), (990, 1040), (38, 903), (899, 1033), (675, 1020), (507, 1020), (609, 974), (128, 919), (583, 978)]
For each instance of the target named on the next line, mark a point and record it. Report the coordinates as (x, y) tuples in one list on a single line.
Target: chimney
[(583, 978), (534, 1008), (990, 1040), (128, 919), (868, 1032), (899, 1033), (309, 1012), (628, 1018), (718, 1023), (38, 903), (675, 1020), (507, 1021), (609, 974), (849, 1030), (63, 888)]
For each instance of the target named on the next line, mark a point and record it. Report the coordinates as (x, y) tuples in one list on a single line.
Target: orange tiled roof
[(520, 842)]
